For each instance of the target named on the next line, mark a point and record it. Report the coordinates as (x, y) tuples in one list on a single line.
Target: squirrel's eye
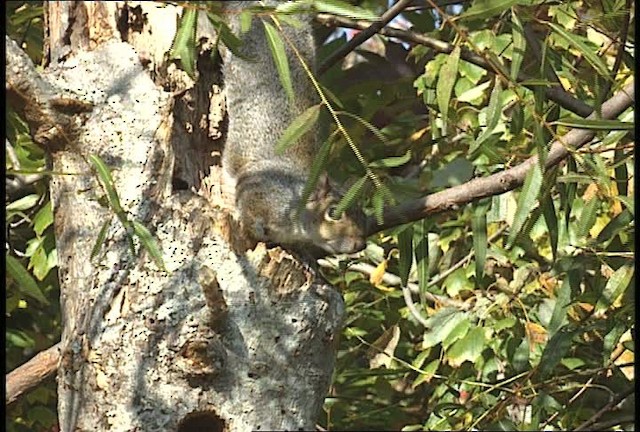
[(330, 215)]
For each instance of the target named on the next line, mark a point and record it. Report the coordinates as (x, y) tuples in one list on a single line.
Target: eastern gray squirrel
[(269, 186)]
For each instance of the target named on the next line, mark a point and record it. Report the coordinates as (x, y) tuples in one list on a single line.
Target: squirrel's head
[(343, 234)]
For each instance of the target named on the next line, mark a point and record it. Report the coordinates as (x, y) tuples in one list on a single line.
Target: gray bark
[(232, 336)]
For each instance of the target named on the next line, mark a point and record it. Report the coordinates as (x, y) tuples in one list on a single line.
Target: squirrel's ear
[(323, 188)]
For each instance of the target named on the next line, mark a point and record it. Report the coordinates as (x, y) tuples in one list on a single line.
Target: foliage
[(528, 297), (31, 283), (524, 301)]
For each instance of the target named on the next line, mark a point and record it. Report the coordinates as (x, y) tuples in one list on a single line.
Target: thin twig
[(364, 35), (556, 94), (615, 401)]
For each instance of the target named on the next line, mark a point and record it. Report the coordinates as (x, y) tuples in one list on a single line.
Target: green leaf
[(519, 45), (149, 243), (371, 128), (405, 249), (43, 219), (391, 162), (559, 314), (556, 349), (441, 324), (276, 45), (469, 348), (588, 217), (588, 52), (619, 223), (446, 80), (594, 124), (458, 332), (25, 282), (100, 239), (427, 373), (479, 229), (104, 174), (350, 196), (551, 219), (614, 288), (299, 6), (421, 252), (338, 7), (483, 9), (494, 111), (526, 201), (184, 43), (24, 203), (298, 127)]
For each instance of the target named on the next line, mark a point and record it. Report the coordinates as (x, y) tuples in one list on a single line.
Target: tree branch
[(454, 197), (608, 407), (364, 35), (51, 116), (32, 373), (556, 94)]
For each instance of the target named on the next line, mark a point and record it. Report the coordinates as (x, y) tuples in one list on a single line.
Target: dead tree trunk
[(229, 337)]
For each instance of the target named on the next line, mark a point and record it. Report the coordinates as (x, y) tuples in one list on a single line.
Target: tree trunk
[(232, 336)]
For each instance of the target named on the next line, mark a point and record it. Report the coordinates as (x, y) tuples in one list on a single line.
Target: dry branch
[(32, 373)]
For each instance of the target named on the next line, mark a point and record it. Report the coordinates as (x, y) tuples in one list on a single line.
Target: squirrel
[(269, 185)]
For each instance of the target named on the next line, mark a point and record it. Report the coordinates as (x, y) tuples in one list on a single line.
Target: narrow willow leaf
[(377, 202), (371, 128), (551, 219), (350, 196), (483, 9), (559, 314), (517, 120), (621, 172), (446, 81), (280, 58), (391, 162), (100, 239), (494, 111), (614, 288), (621, 222), (587, 217), (421, 251), (26, 284), (231, 41), (300, 6), (104, 174), (556, 349), (245, 19), (519, 45), (298, 127), (184, 43), (343, 8), (588, 52), (479, 229), (149, 243), (405, 249), (569, 192), (526, 201), (594, 124)]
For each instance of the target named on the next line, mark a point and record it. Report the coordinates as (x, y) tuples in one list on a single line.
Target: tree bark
[(232, 336)]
